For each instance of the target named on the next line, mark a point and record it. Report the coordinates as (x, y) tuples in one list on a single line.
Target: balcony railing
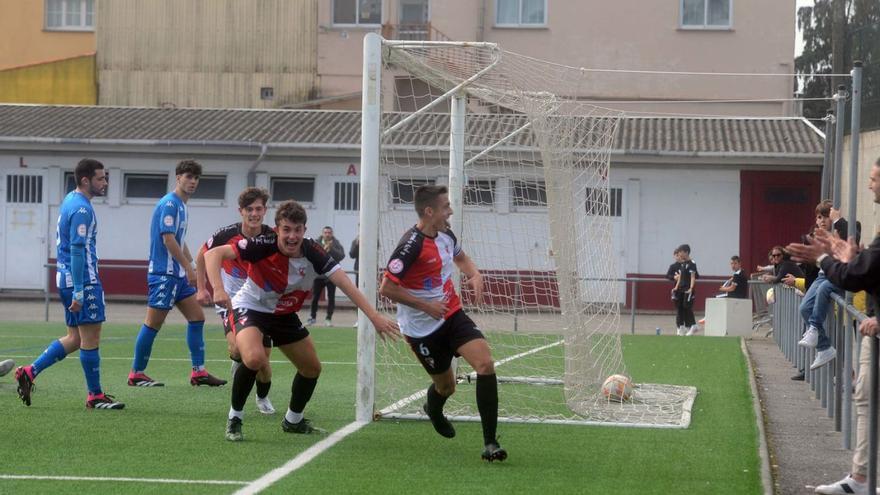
[(413, 32)]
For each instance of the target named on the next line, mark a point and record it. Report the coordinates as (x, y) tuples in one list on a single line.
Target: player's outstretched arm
[(384, 326), (213, 264), (474, 278), (178, 254), (202, 296)]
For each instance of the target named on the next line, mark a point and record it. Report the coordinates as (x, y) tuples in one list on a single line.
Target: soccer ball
[(771, 296), (618, 388)]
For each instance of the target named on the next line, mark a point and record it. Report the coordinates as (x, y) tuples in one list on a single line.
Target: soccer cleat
[(328, 323), (810, 339), (441, 424), (103, 401), (693, 331), (24, 375), (843, 487), (6, 366), (139, 379), (264, 405), (233, 430), (199, 378), (304, 427), (494, 452), (823, 358), (311, 321)]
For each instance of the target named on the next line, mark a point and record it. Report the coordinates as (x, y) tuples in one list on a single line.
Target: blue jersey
[(169, 216), (77, 226)]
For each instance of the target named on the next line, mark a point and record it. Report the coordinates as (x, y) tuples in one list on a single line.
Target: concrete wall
[(63, 82)]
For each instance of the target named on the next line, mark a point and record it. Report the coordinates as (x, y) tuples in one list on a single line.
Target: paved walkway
[(804, 450)]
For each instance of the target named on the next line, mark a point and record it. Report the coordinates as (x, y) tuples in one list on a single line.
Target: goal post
[(527, 166)]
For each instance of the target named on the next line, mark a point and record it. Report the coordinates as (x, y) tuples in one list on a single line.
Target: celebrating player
[(252, 208), (280, 274), (419, 279), (170, 279), (79, 287)]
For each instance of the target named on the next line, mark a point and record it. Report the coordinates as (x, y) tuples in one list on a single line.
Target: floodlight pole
[(371, 117)]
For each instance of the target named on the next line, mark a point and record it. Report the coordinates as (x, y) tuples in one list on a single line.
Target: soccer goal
[(527, 167)]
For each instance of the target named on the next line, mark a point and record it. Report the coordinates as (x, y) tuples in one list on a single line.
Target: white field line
[(300, 460), (134, 480)]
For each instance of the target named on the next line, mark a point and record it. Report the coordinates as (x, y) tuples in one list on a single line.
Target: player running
[(418, 278), (280, 274), (252, 208), (79, 287), (170, 279)]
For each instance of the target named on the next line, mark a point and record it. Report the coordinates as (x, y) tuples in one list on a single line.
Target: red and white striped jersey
[(275, 283), (423, 266), (234, 272)]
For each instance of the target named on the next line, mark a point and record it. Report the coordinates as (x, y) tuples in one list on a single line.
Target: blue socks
[(54, 353), (90, 360), (195, 339), (143, 346)]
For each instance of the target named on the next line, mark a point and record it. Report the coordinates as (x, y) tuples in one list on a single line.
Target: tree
[(831, 47)]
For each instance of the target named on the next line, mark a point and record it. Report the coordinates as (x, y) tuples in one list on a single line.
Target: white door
[(346, 213), (23, 238)]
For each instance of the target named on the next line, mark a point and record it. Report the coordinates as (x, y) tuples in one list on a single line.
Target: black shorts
[(436, 350), (227, 327), (279, 329)]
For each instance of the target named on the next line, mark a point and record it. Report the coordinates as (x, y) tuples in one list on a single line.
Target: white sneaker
[(681, 331), (845, 486), (823, 358), (310, 321), (693, 331), (265, 405), (6, 366), (810, 339), (355, 325), (328, 323)]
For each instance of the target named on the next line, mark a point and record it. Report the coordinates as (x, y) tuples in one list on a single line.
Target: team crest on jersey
[(169, 220), (81, 230), (242, 243), (395, 265), (302, 271)]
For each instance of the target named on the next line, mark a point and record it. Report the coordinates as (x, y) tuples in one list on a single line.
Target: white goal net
[(527, 167)]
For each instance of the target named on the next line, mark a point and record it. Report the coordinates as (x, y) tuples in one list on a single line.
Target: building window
[(706, 14), (24, 189), (529, 193), (211, 187), (357, 12), (145, 186), (346, 196), (598, 198), (301, 189), (519, 13), (69, 182), (70, 15), (480, 193), (403, 191)]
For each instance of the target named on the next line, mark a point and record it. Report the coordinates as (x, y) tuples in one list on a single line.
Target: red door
[(775, 208)]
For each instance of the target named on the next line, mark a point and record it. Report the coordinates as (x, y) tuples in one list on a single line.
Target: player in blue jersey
[(171, 280), (79, 288)]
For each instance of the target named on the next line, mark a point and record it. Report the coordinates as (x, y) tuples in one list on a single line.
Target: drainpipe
[(252, 174)]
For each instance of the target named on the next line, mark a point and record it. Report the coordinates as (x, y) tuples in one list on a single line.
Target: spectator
[(780, 266), (684, 273), (737, 286), (334, 248)]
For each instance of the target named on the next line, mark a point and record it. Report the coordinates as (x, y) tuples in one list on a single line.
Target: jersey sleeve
[(255, 249), (456, 246), (324, 263), (80, 221), (168, 217), (403, 257), (222, 236)]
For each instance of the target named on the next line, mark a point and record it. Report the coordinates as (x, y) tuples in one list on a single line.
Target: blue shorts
[(167, 290), (92, 311)]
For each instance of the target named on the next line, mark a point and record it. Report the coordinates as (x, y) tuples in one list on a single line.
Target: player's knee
[(311, 370), (445, 389), (265, 373), (485, 367), (255, 361)]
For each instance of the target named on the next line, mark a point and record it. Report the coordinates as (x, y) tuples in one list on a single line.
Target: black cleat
[(25, 378), (441, 424), (494, 452), (233, 430), (199, 378), (304, 427), (103, 401)]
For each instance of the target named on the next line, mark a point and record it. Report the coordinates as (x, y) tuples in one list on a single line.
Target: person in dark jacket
[(334, 248)]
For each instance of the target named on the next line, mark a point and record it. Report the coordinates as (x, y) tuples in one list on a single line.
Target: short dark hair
[(328, 227), (426, 196), (250, 195), (824, 208), (291, 211), (188, 167), (684, 248), (735, 258), (86, 169)]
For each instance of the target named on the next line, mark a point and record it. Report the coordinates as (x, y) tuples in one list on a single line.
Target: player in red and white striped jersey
[(418, 278), (281, 269)]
